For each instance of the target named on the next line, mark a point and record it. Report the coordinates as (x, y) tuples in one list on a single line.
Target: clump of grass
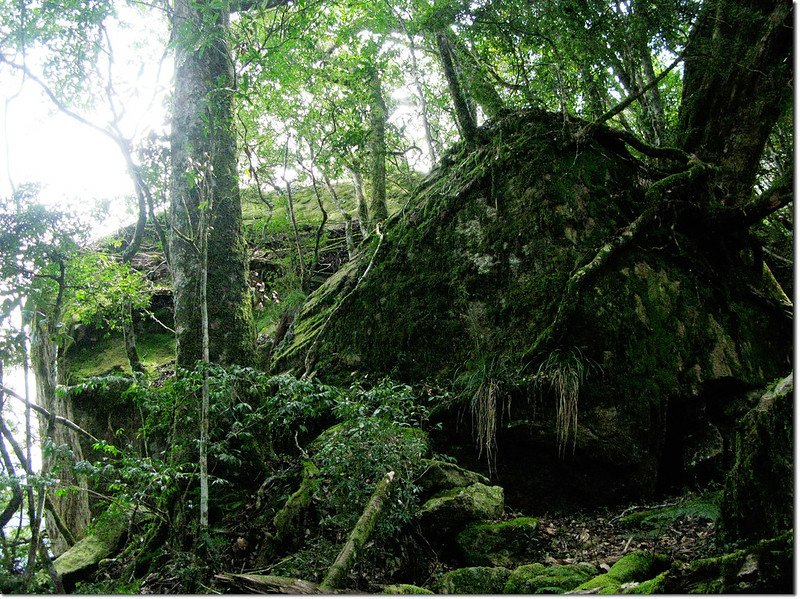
[(563, 372), (489, 382)]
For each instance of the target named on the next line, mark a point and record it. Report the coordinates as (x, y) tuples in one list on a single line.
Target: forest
[(410, 297)]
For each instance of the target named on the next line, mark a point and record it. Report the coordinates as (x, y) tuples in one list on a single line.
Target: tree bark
[(737, 81), (202, 133)]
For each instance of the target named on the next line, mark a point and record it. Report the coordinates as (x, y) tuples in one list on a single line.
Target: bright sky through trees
[(75, 165)]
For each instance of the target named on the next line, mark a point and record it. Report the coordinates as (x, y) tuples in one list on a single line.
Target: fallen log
[(360, 534), (263, 584)]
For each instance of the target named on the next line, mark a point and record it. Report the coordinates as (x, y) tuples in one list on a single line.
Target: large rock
[(758, 502), (438, 476), (470, 274), (105, 539)]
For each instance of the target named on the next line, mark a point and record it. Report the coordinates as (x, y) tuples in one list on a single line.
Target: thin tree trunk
[(423, 102), (74, 506), (348, 219), (204, 424), (464, 118), (378, 116), (361, 202)]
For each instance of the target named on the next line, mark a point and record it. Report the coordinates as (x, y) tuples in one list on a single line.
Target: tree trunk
[(129, 336), (361, 202), (464, 117), (72, 507), (475, 78), (737, 81), (378, 117), (202, 134)]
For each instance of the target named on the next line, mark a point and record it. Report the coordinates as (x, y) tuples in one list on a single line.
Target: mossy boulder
[(438, 476), (103, 541), (472, 273), (473, 581), (638, 566), (405, 589), (540, 579), (758, 501), (447, 513), (506, 544)]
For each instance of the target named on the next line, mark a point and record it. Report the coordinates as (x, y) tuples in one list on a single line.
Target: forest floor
[(681, 528)]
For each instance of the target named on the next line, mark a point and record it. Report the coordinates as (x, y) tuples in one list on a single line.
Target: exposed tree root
[(311, 355), (580, 277)]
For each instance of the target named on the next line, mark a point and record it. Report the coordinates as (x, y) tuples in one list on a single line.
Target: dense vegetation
[(422, 295)]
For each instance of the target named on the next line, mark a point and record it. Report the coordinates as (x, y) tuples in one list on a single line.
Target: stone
[(508, 544), (638, 566), (405, 589), (447, 513), (438, 476), (105, 539), (758, 501)]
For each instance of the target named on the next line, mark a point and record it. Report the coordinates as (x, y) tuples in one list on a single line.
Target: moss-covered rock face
[(472, 273), (506, 544), (474, 581), (447, 513), (540, 579), (759, 493)]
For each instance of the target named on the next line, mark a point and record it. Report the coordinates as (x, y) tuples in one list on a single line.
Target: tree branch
[(50, 416)]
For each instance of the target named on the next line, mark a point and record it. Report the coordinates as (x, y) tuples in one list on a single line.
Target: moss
[(488, 227), (633, 567), (473, 581), (405, 589), (290, 521), (538, 578), (648, 587), (763, 567), (108, 355), (448, 512), (506, 544), (705, 506)]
